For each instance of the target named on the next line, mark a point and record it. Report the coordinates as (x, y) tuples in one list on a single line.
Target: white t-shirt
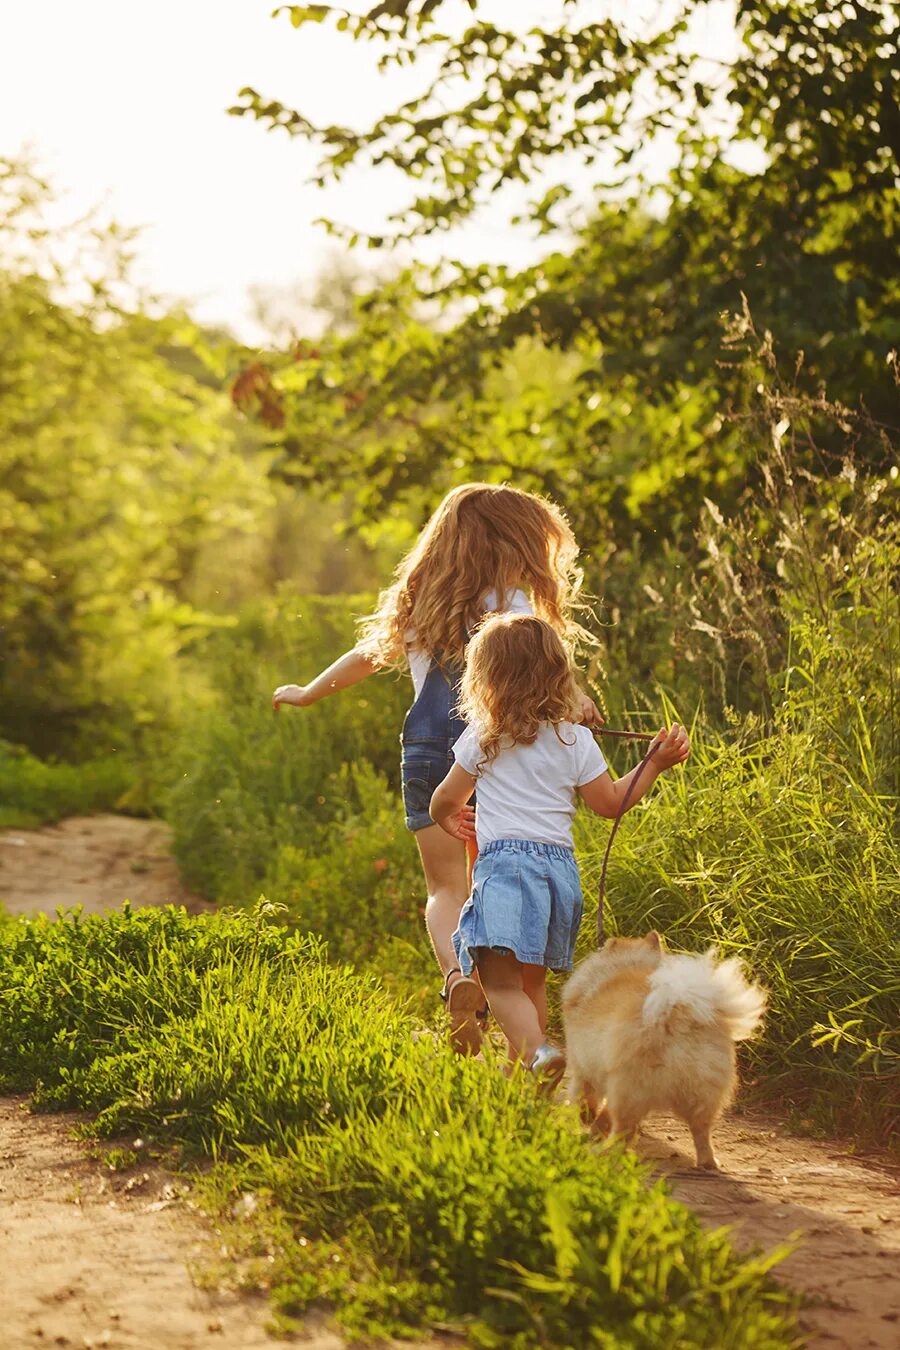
[(528, 791), (516, 602)]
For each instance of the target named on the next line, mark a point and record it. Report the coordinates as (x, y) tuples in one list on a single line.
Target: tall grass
[(779, 844), (376, 1174)]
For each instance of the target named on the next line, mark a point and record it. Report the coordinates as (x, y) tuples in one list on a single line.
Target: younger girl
[(529, 760), (485, 548)]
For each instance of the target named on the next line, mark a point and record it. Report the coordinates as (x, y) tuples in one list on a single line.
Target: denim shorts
[(526, 899), (423, 766), (430, 729)]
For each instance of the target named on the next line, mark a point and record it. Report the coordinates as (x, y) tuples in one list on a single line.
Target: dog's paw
[(599, 1126)]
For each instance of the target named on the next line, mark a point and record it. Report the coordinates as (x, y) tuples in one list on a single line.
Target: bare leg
[(534, 982), (444, 865), (502, 978), (446, 871)]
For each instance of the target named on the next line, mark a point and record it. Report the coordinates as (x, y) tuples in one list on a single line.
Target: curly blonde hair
[(518, 678), (482, 538)]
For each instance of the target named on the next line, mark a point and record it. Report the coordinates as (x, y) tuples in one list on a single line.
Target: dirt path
[(94, 861), (773, 1187), (89, 1257)]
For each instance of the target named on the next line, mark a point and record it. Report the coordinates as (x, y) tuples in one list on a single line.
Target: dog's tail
[(706, 991)]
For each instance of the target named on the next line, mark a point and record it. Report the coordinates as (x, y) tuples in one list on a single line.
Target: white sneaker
[(548, 1067)]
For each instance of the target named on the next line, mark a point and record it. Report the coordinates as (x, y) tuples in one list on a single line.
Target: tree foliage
[(807, 244), (117, 466)]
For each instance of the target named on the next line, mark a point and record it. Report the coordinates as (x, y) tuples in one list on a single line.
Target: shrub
[(248, 780), (357, 880), (33, 792)]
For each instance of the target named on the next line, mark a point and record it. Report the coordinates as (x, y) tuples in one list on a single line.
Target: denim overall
[(430, 728)]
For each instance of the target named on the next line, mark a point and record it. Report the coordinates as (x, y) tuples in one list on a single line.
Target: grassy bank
[(381, 1175), (247, 781), (34, 792), (779, 844)]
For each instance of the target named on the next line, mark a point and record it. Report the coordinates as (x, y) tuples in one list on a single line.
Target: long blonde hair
[(518, 678), (482, 538)]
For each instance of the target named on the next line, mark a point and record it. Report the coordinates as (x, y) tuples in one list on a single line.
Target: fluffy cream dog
[(650, 1031)]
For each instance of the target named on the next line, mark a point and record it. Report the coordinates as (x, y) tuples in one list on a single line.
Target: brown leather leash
[(624, 736)]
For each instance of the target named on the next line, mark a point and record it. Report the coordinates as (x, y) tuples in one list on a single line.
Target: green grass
[(34, 792), (384, 1177)]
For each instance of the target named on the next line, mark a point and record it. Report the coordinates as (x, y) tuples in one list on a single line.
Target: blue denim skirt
[(526, 899)]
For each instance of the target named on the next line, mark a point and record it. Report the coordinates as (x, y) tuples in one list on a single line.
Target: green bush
[(357, 881), (247, 780), (384, 1175), (33, 792)]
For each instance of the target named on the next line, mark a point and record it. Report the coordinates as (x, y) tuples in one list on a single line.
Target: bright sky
[(124, 106)]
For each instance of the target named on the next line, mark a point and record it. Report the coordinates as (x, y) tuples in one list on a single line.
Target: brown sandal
[(464, 998)]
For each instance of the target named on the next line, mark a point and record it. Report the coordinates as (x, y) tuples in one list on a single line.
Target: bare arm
[(448, 804), (605, 797), (348, 669)]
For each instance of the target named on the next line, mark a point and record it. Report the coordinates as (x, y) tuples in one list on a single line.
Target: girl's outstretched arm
[(348, 669), (604, 797)]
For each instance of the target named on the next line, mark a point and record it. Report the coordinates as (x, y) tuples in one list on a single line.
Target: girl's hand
[(589, 713), (461, 823), (290, 693), (672, 747)]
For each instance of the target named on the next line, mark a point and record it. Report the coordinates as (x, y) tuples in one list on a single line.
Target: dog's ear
[(654, 940)]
